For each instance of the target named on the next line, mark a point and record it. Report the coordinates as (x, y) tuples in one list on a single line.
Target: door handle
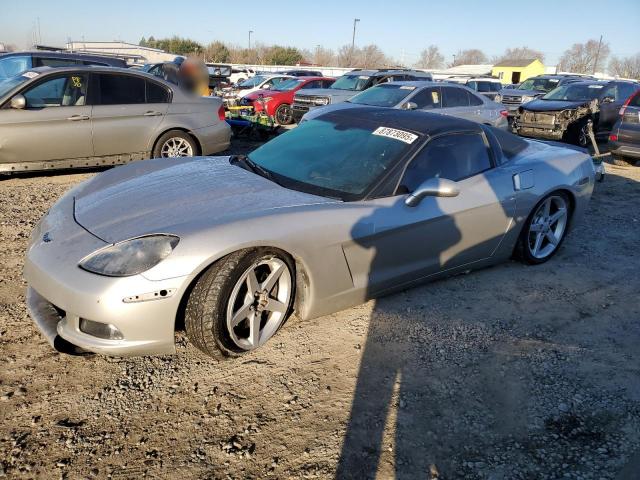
[(152, 114), (76, 118)]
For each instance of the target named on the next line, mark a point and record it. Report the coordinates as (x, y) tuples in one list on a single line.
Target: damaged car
[(564, 113)]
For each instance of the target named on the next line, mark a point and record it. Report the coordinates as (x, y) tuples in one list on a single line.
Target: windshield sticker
[(363, 77), (553, 80), (595, 86), (435, 97), (405, 87), (77, 82), (401, 135), (30, 74)]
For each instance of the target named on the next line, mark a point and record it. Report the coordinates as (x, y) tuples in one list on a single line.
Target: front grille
[(511, 100), (539, 118), (308, 100)]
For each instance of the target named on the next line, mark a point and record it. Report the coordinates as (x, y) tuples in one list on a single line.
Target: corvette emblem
[(46, 238)]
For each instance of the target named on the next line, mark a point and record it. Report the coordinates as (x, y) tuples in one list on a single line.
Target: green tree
[(217, 52), (176, 45), (278, 55), (143, 42)]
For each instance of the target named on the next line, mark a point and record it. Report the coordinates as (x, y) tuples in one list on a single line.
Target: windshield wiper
[(252, 166)]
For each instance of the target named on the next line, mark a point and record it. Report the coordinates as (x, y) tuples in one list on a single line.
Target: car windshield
[(8, 84), (333, 157), (385, 95), (540, 84), (253, 81), (351, 82), (14, 65), (483, 86), (575, 92), (287, 85)]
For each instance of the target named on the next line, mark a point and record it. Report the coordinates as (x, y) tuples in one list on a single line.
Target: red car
[(279, 98)]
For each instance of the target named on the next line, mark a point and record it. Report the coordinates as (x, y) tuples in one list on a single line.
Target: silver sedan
[(88, 116), (434, 97), (351, 205)]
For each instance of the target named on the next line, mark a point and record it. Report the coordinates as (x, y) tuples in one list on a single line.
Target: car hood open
[(174, 195)]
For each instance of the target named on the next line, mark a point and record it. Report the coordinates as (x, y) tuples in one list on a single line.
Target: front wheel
[(284, 114), (175, 144), (545, 229), (240, 302)]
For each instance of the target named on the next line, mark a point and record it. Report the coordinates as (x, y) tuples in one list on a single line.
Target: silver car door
[(455, 102), (123, 121), (55, 125), (394, 243), (427, 99)]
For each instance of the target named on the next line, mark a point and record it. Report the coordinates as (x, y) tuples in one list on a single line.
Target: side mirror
[(18, 102), (608, 100), (266, 87), (433, 187), (409, 106)]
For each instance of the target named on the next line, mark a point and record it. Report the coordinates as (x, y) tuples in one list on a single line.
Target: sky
[(402, 28)]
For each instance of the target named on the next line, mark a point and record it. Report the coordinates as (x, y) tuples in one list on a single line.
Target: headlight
[(130, 257), (526, 98), (321, 101), (497, 99), (266, 99)]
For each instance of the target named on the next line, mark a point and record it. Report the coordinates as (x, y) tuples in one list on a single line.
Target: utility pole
[(250, 32), (353, 39), (595, 65), (454, 60)]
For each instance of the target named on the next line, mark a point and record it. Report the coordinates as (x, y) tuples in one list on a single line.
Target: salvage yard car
[(348, 85), (233, 95), (487, 86), (277, 100), (624, 140), (12, 64), (532, 88), (348, 206), (446, 99), (564, 113), (91, 116)]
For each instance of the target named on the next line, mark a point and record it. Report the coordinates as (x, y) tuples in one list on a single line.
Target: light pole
[(250, 32), (353, 39)]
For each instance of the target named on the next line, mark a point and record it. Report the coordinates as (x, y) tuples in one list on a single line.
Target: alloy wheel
[(258, 303), (284, 115), (176, 147), (547, 227)]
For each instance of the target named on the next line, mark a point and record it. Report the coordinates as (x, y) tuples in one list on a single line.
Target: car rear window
[(635, 101)]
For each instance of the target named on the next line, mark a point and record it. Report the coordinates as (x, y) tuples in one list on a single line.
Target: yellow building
[(516, 71)]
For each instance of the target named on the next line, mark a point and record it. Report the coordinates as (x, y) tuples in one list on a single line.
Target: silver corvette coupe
[(351, 205)]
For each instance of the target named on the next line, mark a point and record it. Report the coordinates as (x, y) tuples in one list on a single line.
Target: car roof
[(425, 123), (98, 69), (590, 82), (412, 83), (51, 54)]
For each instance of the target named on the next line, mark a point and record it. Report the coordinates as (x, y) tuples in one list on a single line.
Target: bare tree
[(519, 53), (324, 56), (369, 56), (470, 57), (430, 57), (582, 57), (217, 52), (626, 67)]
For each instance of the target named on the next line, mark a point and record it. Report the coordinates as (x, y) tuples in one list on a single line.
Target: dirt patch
[(512, 372)]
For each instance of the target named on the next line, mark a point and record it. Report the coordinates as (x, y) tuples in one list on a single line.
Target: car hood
[(265, 93), (520, 93), (333, 93), (315, 112), (177, 196), (552, 105)]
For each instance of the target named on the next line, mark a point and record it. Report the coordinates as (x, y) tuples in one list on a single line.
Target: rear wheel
[(284, 114), (175, 144), (240, 302), (545, 229)]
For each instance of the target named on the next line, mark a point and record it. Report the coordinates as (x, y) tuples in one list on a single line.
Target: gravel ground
[(512, 372)]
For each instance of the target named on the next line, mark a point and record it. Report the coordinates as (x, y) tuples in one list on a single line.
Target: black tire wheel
[(175, 144), (284, 114), (240, 302), (545, 229), (623, 161), (580, 135)]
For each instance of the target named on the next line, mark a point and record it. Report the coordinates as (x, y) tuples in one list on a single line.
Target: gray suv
[(348, 85)]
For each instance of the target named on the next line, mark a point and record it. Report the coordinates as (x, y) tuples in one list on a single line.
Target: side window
[(65, 91), (625, 90), (473, 85), (313, 84), (454, 97), (157, 93), (120, 90), (54, 62), (427, 99), (327, 83), (610, 91), (454, 157), (474, 101)]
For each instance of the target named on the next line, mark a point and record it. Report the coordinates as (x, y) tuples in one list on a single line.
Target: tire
[(220, 296), (534, 250), (175, 144), (579, 135), (284, 114)]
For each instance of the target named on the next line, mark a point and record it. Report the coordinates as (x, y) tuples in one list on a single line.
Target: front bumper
[(60, 294)]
